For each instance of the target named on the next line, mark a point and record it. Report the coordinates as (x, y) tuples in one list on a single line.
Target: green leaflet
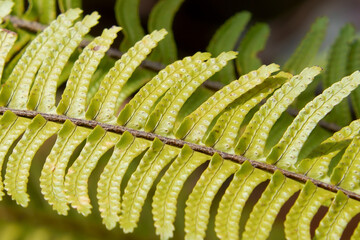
[(65, 5), (252, 142), (233, 201), (169, 187), (43, 93), (297, 223), (11, 127), (103, 68), (138, 79), (5, 9), (225, 39), (73, 101), (253, 42), (17, 87), (194, 126), (346, 173), (353, 64), (336, 69), (42, 10), (285, 153), (197, 209), (18, 166), (225, 132), (316, 165), (127, 16), (162, 16), (102, 105), (140, 105), (52, 186), (341, 211), (108, 190), (97, 143), (308, 48), (155, 159), (7, 40), (15, 53), (279, 190), (165, 114)]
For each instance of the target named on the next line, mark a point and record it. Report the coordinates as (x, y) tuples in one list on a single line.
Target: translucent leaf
[(165, 114), (108, 190), (233, 201), (18, 166), (169, 187), (285, 153), (298, 220), (138, 187), (73, 101), (102, 106), (198, 205), (76, 180), (194, 126), (262, 217), (52, 176), (252, 142)]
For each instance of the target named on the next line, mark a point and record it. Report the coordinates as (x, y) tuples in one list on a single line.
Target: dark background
[(197, 20)]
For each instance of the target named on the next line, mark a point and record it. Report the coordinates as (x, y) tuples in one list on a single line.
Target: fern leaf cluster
[(171, 146)]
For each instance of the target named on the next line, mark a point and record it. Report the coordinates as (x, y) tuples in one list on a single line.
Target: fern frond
[(341, 211), (164, 133), (162, 16), (11, 127), (163, 118), (73, 101), (194, 126), (155, 159), (5, 9), (197, 209), (43, 93), (279, 190), (337, 69), (167, 191), (297, 223), (353, 64), (139, 106), (232, 203), (103, 105), (125, 151), (7, 40), (286, 152), (252, 142), (227, 127), (225, 39), (18, 166), (308, 47), (346, 173), (127, 16), (52, 175), (16, 89), (97, 143), (253, 42), (316, 165)]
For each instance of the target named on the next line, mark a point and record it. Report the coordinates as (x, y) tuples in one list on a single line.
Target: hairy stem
[(180, 143)]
